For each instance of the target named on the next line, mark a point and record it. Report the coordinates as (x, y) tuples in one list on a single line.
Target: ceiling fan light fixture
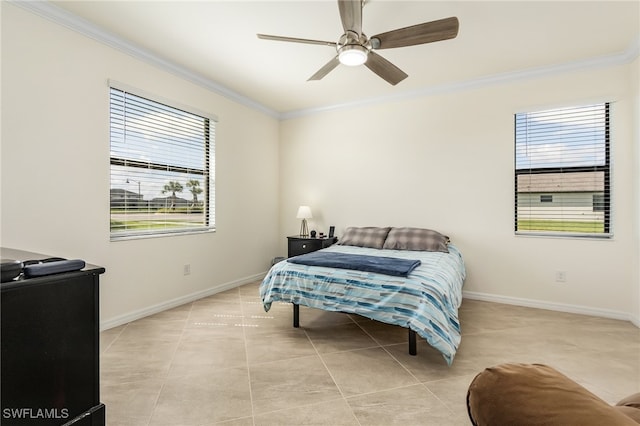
[(353, 55)]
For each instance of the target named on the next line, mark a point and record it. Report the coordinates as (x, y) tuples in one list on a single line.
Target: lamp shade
[(304, 212)]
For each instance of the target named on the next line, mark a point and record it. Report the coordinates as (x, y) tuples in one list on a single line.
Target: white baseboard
[(145, 312), (487, 297), (552, 306)]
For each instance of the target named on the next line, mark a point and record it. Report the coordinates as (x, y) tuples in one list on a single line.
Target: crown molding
[(56, 14), (73, 22)]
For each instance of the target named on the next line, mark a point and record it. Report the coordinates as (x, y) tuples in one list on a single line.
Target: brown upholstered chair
[(536, 394)]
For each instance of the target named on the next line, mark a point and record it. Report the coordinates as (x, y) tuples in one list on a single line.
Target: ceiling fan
[(355, 48)]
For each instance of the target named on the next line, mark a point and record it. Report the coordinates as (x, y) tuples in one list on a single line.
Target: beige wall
[(446, 162), (55, 171)]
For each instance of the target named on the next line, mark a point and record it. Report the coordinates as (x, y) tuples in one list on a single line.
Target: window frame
[(207, 171), (604, 206)]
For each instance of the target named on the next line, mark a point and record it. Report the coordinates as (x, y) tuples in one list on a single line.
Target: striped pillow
[(370, 236), (417, 239)]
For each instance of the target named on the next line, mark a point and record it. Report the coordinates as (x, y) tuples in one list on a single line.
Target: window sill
[(128, 237), (565, 236)]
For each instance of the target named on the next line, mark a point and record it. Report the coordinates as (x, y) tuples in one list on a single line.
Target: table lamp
[(304, 213)]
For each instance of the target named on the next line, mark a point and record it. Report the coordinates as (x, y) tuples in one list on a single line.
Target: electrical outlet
[(561, 276), (186, 269)]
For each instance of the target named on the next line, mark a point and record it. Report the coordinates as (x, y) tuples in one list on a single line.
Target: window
[(162, 167), (562, 171)]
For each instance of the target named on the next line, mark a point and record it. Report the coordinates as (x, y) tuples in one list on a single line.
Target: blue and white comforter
[(426, 301)]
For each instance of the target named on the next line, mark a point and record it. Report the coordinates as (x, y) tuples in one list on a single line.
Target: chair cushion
[(632, 412), (630, 406), (536, 394), (631, 401)]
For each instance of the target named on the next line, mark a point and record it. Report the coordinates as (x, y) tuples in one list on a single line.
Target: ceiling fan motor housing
[(353, 49)]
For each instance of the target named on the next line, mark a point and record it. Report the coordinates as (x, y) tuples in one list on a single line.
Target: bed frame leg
[(412, 342), (296, 315)]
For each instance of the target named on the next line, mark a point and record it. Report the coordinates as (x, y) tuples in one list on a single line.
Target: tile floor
[(223, 361)]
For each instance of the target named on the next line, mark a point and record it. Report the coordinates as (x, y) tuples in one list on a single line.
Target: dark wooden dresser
[(50, 346)]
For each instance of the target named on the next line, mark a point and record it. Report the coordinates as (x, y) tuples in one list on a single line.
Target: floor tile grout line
[(166, 376), (246, 354), (444, 404), (385, 390), (417, 383), (344, 399), (148, 422), (377, 345), (401, 364), (424, 384), (115, 338), (389, 353), (369, 334)]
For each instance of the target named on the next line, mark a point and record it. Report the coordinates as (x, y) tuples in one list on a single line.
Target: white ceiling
[(217, 40)]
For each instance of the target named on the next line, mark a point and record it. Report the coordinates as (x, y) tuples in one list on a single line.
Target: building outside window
[(562, 171)]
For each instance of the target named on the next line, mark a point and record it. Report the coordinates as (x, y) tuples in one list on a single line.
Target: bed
[(425, 301)]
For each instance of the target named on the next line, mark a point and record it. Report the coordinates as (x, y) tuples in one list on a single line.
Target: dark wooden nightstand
[(301, 245)]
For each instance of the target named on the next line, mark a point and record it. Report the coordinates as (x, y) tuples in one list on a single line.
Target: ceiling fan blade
[(296, 40), (326, 69), (385, 69), (351, 15), (427, 32)]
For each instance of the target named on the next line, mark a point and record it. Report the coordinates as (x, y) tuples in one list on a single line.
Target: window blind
[(562, 171), (161, 168)]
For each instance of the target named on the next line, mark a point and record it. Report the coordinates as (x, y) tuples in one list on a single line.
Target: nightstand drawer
[(302, 246)]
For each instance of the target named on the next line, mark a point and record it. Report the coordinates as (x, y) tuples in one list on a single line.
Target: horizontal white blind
[(562, 171), (161, 167)]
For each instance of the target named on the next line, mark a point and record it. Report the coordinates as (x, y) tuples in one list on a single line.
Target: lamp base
[(304, 229)]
